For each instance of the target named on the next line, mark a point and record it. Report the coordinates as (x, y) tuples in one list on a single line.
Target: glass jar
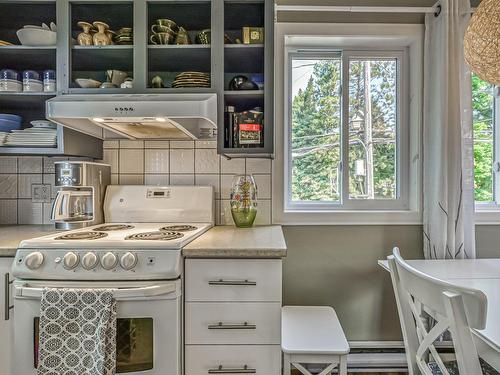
[(244, 200)]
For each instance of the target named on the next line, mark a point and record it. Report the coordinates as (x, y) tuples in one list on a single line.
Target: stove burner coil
[(155, 236), (82, 236), (179, 228), (112, 227)]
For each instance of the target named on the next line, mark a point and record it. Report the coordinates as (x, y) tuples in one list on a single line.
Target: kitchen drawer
[(207, 360), (233, 280), (233, 323)]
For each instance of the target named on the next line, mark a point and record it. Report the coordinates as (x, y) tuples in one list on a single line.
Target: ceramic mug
[(116, 77), (10, 81), (162, 38), (49, 80), (32, 81), (164, 25), (182, 37)]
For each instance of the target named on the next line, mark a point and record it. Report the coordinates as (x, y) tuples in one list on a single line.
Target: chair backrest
[(454, 308)]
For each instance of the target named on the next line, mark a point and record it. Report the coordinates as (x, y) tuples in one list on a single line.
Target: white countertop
[(233, 242)]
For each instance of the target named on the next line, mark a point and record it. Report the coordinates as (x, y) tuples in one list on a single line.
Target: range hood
[(137, 116)]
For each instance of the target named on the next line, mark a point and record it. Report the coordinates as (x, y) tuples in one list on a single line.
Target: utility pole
[(368, 133)]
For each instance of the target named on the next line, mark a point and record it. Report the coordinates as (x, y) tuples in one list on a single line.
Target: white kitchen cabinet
[(5, 325), (233, 323), (233, 280), (233, 316), (221, 359)]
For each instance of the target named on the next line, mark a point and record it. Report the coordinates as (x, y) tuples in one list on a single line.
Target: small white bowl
[(10, 85), (32, 85), (37, 37), (87, 83)]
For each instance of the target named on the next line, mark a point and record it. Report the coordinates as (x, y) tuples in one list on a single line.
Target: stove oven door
[(148, 327)]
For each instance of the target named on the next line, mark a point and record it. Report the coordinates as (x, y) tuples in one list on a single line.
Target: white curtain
[(448, 140)]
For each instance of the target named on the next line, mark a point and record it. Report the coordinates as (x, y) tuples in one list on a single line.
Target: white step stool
[(312, 334)]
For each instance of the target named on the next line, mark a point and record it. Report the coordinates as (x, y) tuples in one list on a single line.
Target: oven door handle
[(121, 293)]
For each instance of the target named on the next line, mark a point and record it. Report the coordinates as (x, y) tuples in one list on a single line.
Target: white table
[(481, 274)]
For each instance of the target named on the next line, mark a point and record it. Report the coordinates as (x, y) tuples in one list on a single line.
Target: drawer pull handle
[(232, 282), (8, 282), (244, 370), (221, 325)]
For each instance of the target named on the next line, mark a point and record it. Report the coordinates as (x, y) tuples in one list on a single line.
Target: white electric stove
[(145, 230), (137, 254)]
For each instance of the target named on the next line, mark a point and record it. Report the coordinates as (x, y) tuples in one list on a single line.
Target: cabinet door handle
[(244, 370), (221, 325), (232, 282), (7, 305)]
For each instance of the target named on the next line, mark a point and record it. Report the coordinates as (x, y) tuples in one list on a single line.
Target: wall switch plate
[(40, 193)]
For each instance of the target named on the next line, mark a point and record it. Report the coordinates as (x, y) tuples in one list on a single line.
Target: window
[(347, 134), (486, 115)]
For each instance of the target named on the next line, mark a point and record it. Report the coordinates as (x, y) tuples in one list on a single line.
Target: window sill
[(290, 217), (487, 217)]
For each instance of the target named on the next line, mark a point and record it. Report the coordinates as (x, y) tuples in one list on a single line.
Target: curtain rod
[(356, 9)]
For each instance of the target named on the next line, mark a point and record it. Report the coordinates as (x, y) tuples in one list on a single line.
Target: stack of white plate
[(32, 137), (3, 136)]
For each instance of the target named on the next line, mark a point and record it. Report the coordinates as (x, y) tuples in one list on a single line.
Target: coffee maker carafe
[(80, 197)]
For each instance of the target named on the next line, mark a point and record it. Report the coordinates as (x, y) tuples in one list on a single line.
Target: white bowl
[(37, 37), (10, 85), (87, 83)]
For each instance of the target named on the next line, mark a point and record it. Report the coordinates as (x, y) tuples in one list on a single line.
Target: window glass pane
[(483, 123), (315, 130), (373, 128)]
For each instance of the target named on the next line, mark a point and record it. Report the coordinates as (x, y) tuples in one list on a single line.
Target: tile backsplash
[(136, 163), (188, 163), (18, 176)]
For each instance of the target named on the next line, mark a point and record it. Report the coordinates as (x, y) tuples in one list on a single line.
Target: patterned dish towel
[(77, 334)]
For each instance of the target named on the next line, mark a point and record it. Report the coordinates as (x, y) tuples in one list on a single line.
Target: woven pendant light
[(482, 42)]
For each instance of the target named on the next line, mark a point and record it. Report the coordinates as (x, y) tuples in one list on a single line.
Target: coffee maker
[(80, 197)]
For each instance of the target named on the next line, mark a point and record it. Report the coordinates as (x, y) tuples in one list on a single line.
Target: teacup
[(164, 25), (162, 38), (116, 77), (182, 37)]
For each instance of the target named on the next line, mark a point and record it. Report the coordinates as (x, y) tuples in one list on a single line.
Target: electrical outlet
[(40, 193)]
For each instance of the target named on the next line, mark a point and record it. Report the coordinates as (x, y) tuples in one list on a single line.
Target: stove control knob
[(89, 261), (128, 261), (34, 260), (70, 260), (109, 261)]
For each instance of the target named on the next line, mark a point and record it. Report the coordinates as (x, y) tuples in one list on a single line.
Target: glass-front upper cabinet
[(101, 45), (179, 40)]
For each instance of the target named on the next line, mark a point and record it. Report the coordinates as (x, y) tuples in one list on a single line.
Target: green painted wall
[(337, 266)]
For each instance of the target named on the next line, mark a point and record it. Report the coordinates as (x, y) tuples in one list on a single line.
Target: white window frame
[(489, 212), (402, 152), (365, 40)]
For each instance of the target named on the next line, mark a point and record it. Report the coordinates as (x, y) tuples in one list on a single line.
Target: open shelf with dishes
[(179, 53), (247, 81), (152, 47), (101, 45), (28, 59)]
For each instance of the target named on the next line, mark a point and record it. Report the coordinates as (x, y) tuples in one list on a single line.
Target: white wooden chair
[(313, 334), (455, 309)]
